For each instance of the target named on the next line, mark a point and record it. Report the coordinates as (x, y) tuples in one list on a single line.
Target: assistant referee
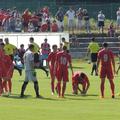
[(93, 49)]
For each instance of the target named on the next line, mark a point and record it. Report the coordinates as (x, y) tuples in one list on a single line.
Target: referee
[(93, 49)]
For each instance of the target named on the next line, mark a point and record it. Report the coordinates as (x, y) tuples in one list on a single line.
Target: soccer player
[(106, 57), (1, 67), (80, 78), (8, 73), (30, 73), (93, 49), (61, 67), (51, 62), (36, 55), (10, 50)]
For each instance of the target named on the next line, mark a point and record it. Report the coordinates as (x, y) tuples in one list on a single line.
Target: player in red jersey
[(6, 70), (51, 62), (1, 67), (8, 73), (106, 57), (61, 66), (80, 78)]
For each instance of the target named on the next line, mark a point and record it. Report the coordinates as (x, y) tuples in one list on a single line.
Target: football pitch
[(72, 107)]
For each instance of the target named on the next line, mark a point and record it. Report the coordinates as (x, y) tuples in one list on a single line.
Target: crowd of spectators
[(42, 20)]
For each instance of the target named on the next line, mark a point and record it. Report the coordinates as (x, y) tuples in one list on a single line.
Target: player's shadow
[(81, 97), (76, 67), (17, 96)]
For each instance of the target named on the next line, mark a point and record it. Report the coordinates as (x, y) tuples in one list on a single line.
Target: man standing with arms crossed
[(30, 73), (106, 57)]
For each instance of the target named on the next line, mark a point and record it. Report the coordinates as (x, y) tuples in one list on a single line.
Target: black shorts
[(100, 23), (93, 57), (36, 58)]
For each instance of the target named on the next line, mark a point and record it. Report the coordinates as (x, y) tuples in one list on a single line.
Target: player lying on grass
[(80, 78)]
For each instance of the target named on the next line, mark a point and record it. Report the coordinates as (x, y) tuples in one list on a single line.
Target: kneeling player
[(80, 78)]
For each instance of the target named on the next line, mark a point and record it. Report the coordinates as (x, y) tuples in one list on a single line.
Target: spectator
[(54, 26), (111, 30), (87, 20), (18, 25), (71, 16), (26, 17), (79, 15), (118, 18), (45, 50), (60, 19), (101, 19), (31, 27)]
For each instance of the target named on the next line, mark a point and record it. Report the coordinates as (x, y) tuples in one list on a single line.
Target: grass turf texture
[(89, 107)]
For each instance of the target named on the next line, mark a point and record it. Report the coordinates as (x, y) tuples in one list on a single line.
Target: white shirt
[(70, 14), (101, 17), (118, 14), (28, 59)]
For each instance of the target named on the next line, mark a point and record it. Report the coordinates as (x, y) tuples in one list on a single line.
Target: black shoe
[(20, 72), (113, 96), (96, 74), (39, 96), (91, 73), (22, 96)]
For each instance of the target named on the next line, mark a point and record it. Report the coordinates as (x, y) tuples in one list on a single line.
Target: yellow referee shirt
[(9, 49), (94, 47), (36, 47)]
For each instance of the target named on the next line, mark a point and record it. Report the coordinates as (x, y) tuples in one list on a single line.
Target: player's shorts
[(100, 23), (30, 76), (106, 72), (62, 75), (93, 57)]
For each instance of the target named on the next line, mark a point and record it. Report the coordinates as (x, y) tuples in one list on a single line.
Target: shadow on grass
[(76, 67), (17, 96), (81, 97)]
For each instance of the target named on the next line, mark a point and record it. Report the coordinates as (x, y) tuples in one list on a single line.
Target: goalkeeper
[(80, 78), (30, 73)]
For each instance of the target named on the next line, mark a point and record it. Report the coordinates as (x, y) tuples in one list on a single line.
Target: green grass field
[(72, 107)]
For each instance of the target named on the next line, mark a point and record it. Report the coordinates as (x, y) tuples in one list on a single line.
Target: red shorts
[(62, 75), (106, 72)]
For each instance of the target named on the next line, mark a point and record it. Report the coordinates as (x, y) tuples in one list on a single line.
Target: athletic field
[(72, 107)]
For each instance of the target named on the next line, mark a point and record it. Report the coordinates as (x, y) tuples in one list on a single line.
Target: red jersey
[(106, 57), (2, 67), (62, 59), (52, 58), (54, 27), (26, 16), (76, 76), (8, 63)]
